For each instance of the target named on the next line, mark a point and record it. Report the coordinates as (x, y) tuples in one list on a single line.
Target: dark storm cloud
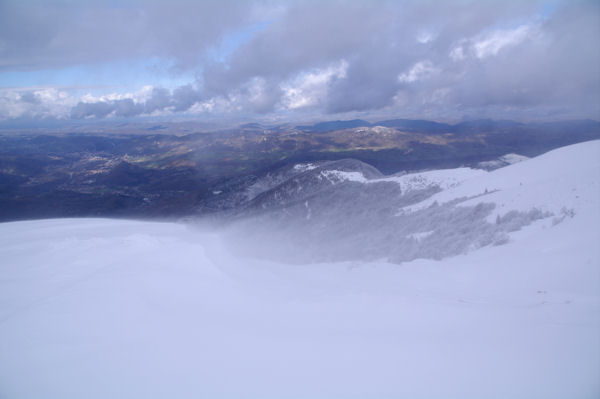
[(181, 99), (98, 109), (379, 40), (184, 97), (127, 108), (30, 97), (514, 55), (439, 59), (160, 99)]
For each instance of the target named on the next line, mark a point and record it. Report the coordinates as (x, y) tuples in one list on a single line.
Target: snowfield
[(98, 308)]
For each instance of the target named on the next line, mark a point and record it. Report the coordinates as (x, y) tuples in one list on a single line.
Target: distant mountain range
[(166, 170), (425, 126)]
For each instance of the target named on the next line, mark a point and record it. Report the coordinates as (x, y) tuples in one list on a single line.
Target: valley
[(173, 175)]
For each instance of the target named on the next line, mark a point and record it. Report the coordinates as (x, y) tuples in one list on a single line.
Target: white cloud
[(203, 107), (138, 96), (258, 91), (458, 52), (425, 37), (36, 102), (492, 43), (309, 89), (420, 70)]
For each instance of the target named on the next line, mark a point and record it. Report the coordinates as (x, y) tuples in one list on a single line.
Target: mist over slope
[(332, 281), (347, 210)]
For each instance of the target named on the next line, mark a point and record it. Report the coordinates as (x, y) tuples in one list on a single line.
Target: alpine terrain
[(324, 279)]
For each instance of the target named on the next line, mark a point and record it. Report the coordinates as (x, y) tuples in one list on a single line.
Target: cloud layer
[(440, 60)]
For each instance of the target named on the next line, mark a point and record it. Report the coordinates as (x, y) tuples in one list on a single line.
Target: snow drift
[(93, 308)]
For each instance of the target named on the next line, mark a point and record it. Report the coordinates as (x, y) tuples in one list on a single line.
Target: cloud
[(310, 89), (157, 100), (496, 41), (38, 103), (402, 58), (184, 97), (420, 70), (39, 34)]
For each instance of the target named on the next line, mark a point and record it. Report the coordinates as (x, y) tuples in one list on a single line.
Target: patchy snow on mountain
[(303, 167), (97, 308), (340, 175), (443, 179)]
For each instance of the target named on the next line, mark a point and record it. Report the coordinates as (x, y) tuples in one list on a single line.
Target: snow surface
[(97, 308), (303, 167), (513, 158), (339, 175), (444, 178), (563, 180), (504, 160)]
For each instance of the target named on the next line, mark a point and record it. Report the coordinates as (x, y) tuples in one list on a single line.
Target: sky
[(299, 60)]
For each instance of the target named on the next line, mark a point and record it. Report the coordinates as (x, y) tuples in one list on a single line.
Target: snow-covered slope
[(565, 178), (347, 211), (504, 160), (93, 308)]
